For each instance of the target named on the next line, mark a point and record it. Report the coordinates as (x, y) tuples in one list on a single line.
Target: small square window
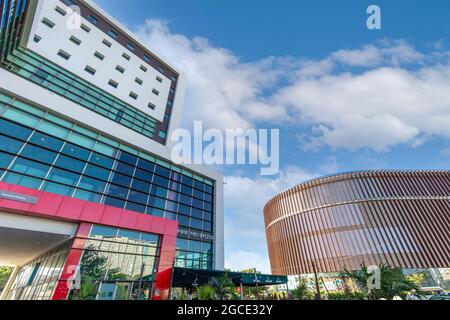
[(113, 34), (161, 69), (151, 106), (138, 81), (85, 28), (48, 23), (63, 54), (173, 78), (113, 84), (99, 55), (159, 79), (131, 46), (156, 92), (147, 58), (107, 43), (90, 70), (61, 11), (75, 40), (92, 19), (37, 38), (127, 57), (120, 69), (133, 95), (144, 68)]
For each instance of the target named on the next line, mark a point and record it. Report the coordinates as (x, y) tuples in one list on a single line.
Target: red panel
[(158, 224), (48, 204), (92, 212), (144, 223), (71, 208), (111, 216), (129, 219), (87, 213)]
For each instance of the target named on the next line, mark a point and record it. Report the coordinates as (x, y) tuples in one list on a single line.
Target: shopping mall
[(399, 218), (91, 206)]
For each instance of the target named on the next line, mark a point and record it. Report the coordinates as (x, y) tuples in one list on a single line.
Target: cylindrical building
[(336, 222)]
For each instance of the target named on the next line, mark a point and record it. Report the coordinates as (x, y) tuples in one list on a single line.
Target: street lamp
[(256, 280)]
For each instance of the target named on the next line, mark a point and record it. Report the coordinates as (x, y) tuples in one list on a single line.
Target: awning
[(188, 278)]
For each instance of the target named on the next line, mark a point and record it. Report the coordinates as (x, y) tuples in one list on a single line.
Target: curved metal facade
[(336, 222)]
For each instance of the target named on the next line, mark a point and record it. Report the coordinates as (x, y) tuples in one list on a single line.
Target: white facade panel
[(52, 40)]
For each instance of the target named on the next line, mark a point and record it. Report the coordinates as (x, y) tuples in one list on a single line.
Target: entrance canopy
[(188, 278)]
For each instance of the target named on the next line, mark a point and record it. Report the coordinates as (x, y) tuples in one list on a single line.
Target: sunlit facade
[(336, 222)]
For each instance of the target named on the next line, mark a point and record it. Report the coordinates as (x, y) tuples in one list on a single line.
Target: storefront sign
[(195, 235), (18, 197)]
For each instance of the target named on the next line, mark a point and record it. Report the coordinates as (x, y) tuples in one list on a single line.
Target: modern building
[(397, 217), (91, 206)]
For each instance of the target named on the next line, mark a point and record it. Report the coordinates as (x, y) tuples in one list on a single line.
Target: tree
[(302, 292), (224, 288), (206, 292), (5, 273), (393, 282)]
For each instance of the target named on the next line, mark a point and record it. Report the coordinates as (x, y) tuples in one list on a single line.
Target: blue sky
[(345, 98)]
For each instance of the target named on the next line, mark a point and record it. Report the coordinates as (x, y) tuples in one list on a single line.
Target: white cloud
[(245, 199), (245, 260), (382, 105), (221, 90)]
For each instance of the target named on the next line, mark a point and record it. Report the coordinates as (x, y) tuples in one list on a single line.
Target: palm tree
[(206, 292), (224, 288), (393, 282)]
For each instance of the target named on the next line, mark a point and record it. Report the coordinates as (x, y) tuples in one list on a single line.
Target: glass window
[(14, 130), (21, 117), (76, 152), (70, 164), (113, 202), (182, 244), (141, 186), (30, 168), (184, 221), (159, 191), (162, 171), (160, 181), (97, 172), (121, 180), (208, 206), (186, 190), (146, 165), (195, 246), (10, 145), (81, 140), (5, 160), (102, 160), (184, 210), (105, 149), (105, 232), (20, 180), (186, 200), (62, 176), (125, 168), (117, 192), (196, 224), (136, 207), (171, 206), (92, 184), (144, 175), (87, 196), (128, 158), (208, 189), (187, 181), (138, 197), (207, 226), (46, 141), (196, 213), (38, 154), (57, 189), (157, 203), (53, 130)]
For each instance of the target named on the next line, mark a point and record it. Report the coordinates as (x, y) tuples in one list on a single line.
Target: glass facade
[(117, 265), (42, 151), (37, 280)]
